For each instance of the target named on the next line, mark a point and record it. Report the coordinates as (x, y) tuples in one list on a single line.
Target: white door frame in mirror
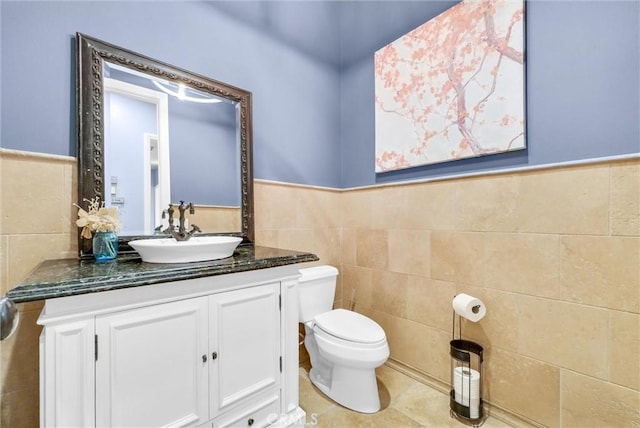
[(151, 193), (160, 100)]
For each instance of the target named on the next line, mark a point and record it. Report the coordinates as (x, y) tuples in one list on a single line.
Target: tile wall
[(554, 254), (36, 224)]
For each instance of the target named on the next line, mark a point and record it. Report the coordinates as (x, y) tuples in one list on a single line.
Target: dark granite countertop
[(69, 277)]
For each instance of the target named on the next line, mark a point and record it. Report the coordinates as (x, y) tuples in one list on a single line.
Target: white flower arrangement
[(97, 218)]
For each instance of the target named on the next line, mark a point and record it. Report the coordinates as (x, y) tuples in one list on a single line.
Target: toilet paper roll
[(469, 307), (466, 384), (474, 408)]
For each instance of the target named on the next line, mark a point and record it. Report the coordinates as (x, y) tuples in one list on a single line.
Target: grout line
[(560, 405)]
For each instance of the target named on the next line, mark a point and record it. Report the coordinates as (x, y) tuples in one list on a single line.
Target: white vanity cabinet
[(246, 357), (217, 352), (151, 367)]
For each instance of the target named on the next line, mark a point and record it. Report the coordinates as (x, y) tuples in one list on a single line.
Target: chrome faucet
[(181, 234)]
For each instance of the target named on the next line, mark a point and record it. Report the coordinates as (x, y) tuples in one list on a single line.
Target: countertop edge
[(75, 286)]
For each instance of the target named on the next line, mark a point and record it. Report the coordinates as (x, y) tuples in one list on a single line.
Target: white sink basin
[(196, 249)]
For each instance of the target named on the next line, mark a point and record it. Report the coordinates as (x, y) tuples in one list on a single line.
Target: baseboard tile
[(492, 410)]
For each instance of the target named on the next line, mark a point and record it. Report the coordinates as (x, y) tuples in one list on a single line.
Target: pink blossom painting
[(453, 88)]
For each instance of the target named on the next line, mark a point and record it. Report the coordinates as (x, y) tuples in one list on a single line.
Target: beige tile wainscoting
[(554, 253), (36, 223)]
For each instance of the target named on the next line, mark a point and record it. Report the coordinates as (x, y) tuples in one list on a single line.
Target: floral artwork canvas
[(452, 88)]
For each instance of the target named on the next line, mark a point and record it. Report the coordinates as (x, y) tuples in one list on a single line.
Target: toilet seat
[(350, 326)]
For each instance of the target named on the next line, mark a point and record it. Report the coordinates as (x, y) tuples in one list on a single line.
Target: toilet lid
[(350, 326)]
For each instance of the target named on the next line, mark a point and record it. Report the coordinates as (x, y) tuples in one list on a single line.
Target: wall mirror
[(151, 134)]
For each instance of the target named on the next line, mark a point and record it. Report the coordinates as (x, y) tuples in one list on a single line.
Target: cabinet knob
[(250, 422), (204, 358), (214, 355)]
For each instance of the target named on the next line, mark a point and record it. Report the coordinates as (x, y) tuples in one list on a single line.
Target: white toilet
[(345, 347)]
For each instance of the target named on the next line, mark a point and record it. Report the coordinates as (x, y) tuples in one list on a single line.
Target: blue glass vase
[(105, 246)]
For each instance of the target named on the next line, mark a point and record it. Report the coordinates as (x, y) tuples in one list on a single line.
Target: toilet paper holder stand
[(465, 397)]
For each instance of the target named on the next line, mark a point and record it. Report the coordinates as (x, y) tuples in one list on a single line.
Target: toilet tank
[(316, 291)]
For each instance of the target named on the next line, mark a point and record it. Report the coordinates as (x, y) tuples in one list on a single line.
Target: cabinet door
[(151, 369), (245, 336), (67, 374)]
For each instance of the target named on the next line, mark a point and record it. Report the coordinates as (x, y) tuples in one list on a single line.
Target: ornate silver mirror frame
[(91, 53)]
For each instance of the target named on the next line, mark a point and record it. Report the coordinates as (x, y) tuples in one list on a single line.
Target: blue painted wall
[(206, 149), (313, 119), (296, 98), (583, 77)]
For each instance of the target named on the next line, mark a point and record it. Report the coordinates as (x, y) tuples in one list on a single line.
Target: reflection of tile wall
[(216, 219), (553, 253)]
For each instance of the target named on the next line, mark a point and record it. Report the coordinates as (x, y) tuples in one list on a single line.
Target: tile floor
[(405, 403)]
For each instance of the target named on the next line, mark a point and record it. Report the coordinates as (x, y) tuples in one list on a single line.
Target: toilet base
[(352, 388)]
